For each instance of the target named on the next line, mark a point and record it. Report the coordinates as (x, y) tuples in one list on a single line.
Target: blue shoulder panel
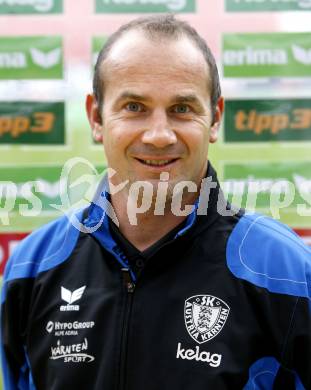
[(43, 249), (270, 255), (263, 372), (298, 384)]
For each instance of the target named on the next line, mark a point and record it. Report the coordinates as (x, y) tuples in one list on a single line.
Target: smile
[(157, 163)]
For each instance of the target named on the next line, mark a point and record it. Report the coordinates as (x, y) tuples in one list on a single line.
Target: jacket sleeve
[(14, 313), (41, 250)]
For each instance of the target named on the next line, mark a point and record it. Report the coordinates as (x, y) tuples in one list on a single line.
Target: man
[(163, 285)]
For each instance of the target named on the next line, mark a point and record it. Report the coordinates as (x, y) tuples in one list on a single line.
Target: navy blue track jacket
[(222, 304)]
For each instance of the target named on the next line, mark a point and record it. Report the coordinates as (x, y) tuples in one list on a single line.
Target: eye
[(134, 107), (181, 109)]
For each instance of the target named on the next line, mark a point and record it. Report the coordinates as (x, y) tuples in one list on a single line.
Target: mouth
[(157, 163)]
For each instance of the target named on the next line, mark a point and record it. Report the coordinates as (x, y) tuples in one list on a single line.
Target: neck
[(145, 229)]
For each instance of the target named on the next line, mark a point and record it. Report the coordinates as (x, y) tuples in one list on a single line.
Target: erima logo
[(213, 359), (14, 60), (18, 60), (301, 55), (45, 60), (253, 56), (70, 298), (205, 316)]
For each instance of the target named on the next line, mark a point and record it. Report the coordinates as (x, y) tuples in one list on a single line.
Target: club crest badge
[(205, 316)]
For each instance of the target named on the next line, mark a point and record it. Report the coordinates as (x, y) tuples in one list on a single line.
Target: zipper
[(129, 286)]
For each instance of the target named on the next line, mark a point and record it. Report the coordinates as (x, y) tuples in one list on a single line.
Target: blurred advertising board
[(32, 123), (305, 234), (141, 6), (276, 54), (31, 6), (270, 187), (97, 45), (8, 242), (267, 5), (31, 190), (265, 120), (36, 191), (31, 57)]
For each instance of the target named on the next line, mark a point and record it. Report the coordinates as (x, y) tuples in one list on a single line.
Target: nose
[(159, 132)]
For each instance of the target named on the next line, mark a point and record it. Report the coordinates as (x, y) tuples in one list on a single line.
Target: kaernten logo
[(72, 353), (205, 316)]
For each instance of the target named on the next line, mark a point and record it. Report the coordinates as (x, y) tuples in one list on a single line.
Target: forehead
[(136, 58)]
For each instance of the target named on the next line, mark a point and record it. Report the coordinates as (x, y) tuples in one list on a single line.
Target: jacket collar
[(211, 198), (203, 214)]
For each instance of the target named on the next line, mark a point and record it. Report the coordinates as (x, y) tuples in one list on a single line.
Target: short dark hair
[(159, 26)]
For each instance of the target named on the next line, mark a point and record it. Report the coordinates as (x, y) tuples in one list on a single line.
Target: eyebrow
[(127, 95), (187, 99)]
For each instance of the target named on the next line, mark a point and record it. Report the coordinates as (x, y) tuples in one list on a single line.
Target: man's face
[(156, 115)]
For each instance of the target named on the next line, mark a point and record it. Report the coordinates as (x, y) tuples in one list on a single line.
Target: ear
[(94, 117), (217, 120)]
